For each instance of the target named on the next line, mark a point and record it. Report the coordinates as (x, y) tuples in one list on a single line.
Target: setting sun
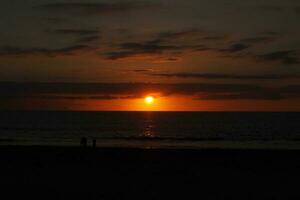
[(149, 100)]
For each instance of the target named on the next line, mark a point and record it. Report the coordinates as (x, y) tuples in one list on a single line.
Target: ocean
[(153, 129)]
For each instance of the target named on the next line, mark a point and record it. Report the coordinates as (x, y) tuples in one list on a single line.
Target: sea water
[(153, 129)]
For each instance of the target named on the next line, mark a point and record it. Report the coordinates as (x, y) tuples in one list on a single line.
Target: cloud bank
[(79, 91)]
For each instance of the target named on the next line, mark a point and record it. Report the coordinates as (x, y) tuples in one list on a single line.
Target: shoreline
[(166, 144)]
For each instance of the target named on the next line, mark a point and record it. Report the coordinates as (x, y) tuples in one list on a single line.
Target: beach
[(49, 172)]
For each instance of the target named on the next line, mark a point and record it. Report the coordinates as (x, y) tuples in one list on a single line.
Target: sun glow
[(149, 100)]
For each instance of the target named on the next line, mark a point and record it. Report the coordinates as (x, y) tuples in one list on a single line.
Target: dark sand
[(103, 173)]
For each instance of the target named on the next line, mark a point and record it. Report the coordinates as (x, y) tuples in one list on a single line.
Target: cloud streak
[(84, 35), (194, 40), (234, 48), (163, 44), (153, 47), (67, 51), (258, 40), (226, 76), (109, 91), (167, 46), (285, 57), (97, 8), (76, 32)]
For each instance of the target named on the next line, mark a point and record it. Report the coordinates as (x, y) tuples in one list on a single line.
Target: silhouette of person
[(94, 143), (83, 142)]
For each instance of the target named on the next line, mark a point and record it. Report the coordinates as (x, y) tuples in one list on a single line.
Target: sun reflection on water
[(148, 127)]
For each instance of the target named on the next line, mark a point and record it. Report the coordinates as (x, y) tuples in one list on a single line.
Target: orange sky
[(107, 55), (174, 103), (182, 103)]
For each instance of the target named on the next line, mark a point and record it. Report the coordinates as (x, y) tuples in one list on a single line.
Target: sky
[(196, 55)]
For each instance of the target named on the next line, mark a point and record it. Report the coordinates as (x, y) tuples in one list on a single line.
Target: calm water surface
[(152, 129)]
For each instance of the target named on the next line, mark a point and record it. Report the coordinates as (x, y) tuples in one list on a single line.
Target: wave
[(193, 139)]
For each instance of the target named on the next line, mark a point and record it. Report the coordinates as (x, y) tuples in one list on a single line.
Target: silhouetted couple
[(84, 142)]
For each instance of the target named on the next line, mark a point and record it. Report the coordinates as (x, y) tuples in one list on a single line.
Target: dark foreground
[(76, 173)]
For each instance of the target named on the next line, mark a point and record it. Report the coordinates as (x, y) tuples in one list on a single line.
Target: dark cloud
[(189, 40), (77, 32), (214, 38), (162, 45), (153, 47), (85, 35), (258, 40), (90, 89), (190, 33), (88, 39), (243, 96), (226, 76), (16, 51), (236, 48), (166, 42), (262, 38), (97, 8), (120, 54), (172, 59), (291, 90), (142, 70), (80, 91), (110, 97), (285, 57), (77, 97), (288, 57), (179, 34), (165, 45), (203, 48)]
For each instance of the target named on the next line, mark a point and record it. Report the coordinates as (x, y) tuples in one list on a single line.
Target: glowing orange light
[(149, 100)]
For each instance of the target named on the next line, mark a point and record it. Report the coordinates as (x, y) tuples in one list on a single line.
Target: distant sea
[(153, 129)]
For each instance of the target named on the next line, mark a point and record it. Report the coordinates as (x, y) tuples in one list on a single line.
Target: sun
[(149, 100)]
